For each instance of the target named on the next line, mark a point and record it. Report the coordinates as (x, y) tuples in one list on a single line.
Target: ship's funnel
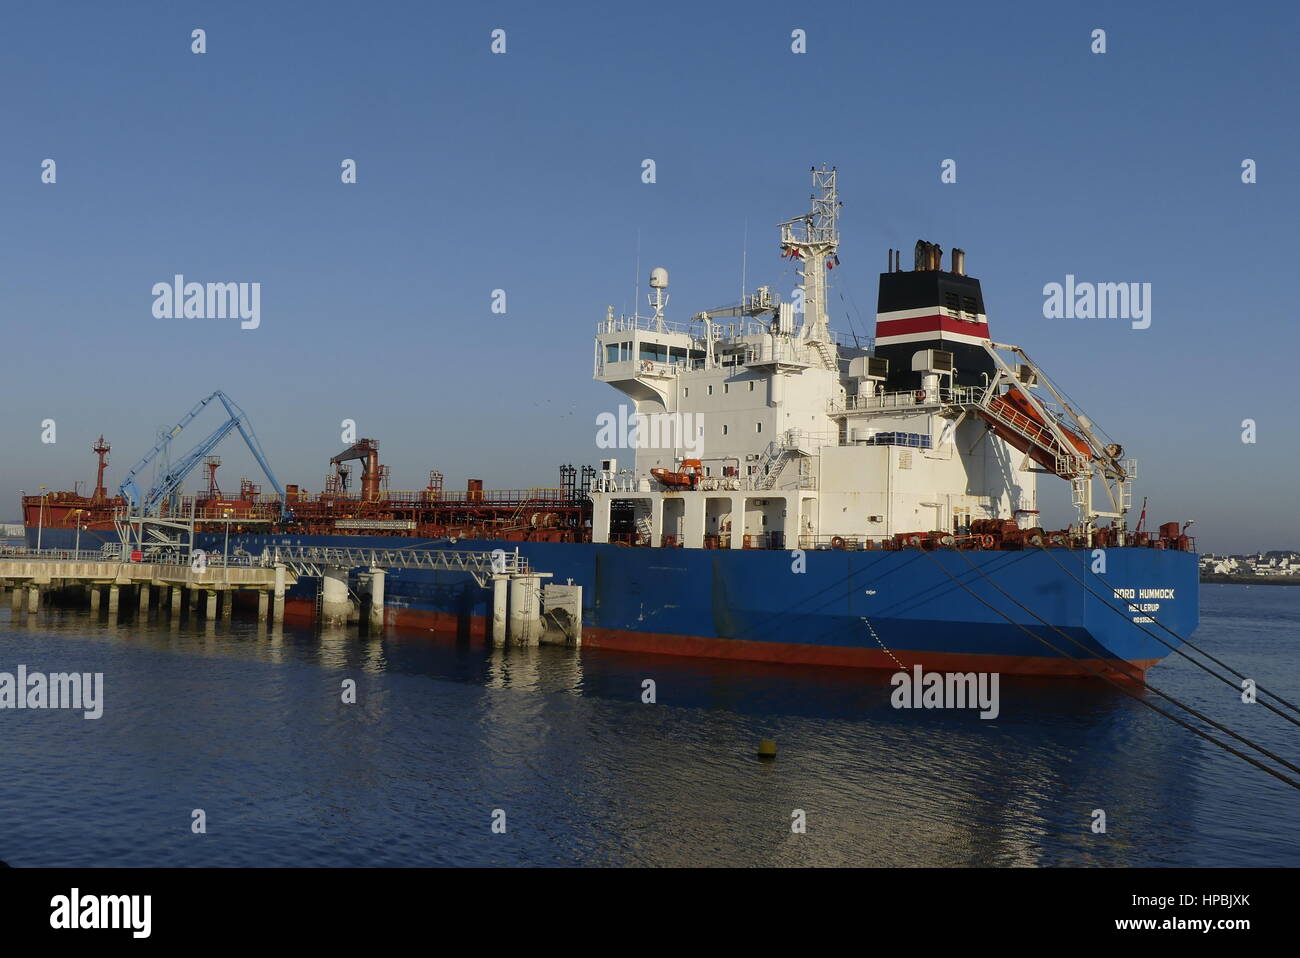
[(930, 309)]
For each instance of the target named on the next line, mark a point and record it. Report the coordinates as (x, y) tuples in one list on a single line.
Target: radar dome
[(658, 278)]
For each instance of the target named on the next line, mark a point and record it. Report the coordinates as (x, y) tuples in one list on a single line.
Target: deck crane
[(166, 488), (367, 450)]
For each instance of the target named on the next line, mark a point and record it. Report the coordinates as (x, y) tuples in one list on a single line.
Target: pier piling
[(277, 611), (335, 604), (377, 577), (500, 588), (525, 610)]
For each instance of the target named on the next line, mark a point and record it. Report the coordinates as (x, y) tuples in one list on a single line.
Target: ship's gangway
[(314, 561), (517, 613)]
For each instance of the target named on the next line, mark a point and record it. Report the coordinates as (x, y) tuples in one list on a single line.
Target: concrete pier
[(517, 599), (31, 576)]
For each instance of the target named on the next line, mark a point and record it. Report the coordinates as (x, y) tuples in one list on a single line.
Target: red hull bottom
[(780, 653)]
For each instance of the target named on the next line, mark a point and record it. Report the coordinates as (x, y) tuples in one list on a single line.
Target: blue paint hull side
[(900, 601)]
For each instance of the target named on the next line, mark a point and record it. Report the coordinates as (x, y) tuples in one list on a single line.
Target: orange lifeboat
[(1013, 408), (686, 479)]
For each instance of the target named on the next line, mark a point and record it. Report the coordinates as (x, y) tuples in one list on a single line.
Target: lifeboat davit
[(1044, 448), (686, 479)]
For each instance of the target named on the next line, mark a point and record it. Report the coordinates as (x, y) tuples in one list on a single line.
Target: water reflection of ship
[(676, 782)]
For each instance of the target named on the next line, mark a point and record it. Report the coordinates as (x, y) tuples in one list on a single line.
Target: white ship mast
[(812, 239)]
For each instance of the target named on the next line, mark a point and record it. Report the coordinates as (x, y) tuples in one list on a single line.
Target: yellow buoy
[(767, 748)]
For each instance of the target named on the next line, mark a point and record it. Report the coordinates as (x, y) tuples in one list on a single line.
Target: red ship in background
[(524, 515)]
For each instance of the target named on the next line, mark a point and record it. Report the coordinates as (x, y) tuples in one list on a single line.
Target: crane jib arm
[(168, 486)]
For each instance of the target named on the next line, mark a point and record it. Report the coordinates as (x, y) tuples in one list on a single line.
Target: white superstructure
[(802, 439)]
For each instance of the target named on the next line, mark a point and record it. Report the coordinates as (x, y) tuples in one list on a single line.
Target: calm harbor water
[(249, 726)]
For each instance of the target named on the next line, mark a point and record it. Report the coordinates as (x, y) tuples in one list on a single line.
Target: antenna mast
[(813, 239)]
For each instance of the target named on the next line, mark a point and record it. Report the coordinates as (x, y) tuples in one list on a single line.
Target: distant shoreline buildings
[(1278, 565)]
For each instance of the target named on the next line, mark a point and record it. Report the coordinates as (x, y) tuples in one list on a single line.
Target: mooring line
[(1137, 675), (1127, 691), (872, 630), (1120, 612)]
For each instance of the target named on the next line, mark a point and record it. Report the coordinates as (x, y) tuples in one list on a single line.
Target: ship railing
[(161, 555), (541, 496), (908, 399), (723, 332), (644, 486), (628, 324), (713, 540), (847, 543), (72, 555), (623, 482)]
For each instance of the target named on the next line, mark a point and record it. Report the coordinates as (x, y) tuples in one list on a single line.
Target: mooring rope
[(1127, 691), (1183, 641), (1137, 673)]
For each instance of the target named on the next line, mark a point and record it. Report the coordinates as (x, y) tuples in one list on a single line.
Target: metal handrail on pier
[(312, 560)]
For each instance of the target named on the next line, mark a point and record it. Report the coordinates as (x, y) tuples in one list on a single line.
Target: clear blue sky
[(522, 172)]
